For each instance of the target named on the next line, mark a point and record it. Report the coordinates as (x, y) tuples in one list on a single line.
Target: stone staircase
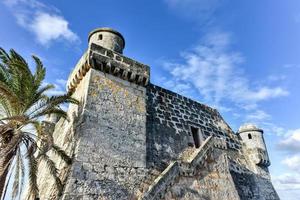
[(158, 184), (149, 179)]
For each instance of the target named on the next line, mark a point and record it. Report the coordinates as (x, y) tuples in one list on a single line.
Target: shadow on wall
[(253, 186)]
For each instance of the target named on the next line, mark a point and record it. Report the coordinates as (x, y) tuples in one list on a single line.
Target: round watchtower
[(107, 38), (253, 140)]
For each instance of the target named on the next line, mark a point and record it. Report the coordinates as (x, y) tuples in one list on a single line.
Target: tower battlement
[(253, 140), (107, 38), (104, 55)]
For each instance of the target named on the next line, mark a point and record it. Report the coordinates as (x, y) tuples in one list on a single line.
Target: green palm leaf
[(24, 103)]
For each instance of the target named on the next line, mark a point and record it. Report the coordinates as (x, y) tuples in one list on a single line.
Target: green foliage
[(23, 103)]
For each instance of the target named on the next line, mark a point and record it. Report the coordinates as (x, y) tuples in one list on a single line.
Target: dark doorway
[(196, 137)]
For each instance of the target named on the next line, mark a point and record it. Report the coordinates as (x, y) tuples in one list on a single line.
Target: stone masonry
[(130, 139)]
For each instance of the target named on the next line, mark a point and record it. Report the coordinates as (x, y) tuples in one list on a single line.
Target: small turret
[(254, 143), (107, 38)]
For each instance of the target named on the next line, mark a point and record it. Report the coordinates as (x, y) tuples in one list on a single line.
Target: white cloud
[(288, 184), (51, 27), (271, 128), (215, 72), (287, 181), (200, 10), (61, 82), (293, 162), (291, 66), (289, 194), (45, 22), (276, 77), (258, 115), (292, 141), (59, 87), (181, 88), (266, 93)]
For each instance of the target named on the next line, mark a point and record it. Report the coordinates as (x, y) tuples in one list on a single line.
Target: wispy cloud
[(287, 181), (276, 77), (272, 129), (61, 82), (293, 162), (287, 185), (45, 22), (59, 87), (215, 72), (291, 143), (199, 10), (258, 115), (291, 66), (48, 28)]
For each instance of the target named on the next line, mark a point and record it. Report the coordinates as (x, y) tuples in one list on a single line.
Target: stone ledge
[(118, 65), (110, 62)]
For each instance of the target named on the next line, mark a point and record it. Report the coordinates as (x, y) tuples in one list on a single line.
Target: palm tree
[(23, 141)]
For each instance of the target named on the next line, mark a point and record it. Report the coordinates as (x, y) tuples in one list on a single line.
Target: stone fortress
[(130, 139)]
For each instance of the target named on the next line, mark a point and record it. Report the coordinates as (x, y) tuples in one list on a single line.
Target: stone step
[(144, 186)]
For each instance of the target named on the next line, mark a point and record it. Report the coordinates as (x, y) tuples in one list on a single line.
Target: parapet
[(249, 127)]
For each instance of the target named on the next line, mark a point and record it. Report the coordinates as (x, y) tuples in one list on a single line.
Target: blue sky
[(239, 56)]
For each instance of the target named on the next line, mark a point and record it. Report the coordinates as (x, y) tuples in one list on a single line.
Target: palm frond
[(40, 72), (30, 144), (52, 170), (45, 106), (18, 176), (22, 169), (4, 57), (38, 97), (23, 103), (4, 75), (7, 93), (6, 184), (62, 154), (32, 168), (6, 107), (57, 111)]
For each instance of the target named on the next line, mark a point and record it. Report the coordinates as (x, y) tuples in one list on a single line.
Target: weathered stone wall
[(116, 121), (110, 157), (106, 136), (250, 185), (169, 119)]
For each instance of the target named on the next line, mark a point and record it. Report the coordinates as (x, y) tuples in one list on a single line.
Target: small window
[(249, 136), (196, 137), (100, 37)]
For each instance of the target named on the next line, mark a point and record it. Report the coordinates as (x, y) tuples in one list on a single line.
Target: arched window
[(100, 37), (249, 136)]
